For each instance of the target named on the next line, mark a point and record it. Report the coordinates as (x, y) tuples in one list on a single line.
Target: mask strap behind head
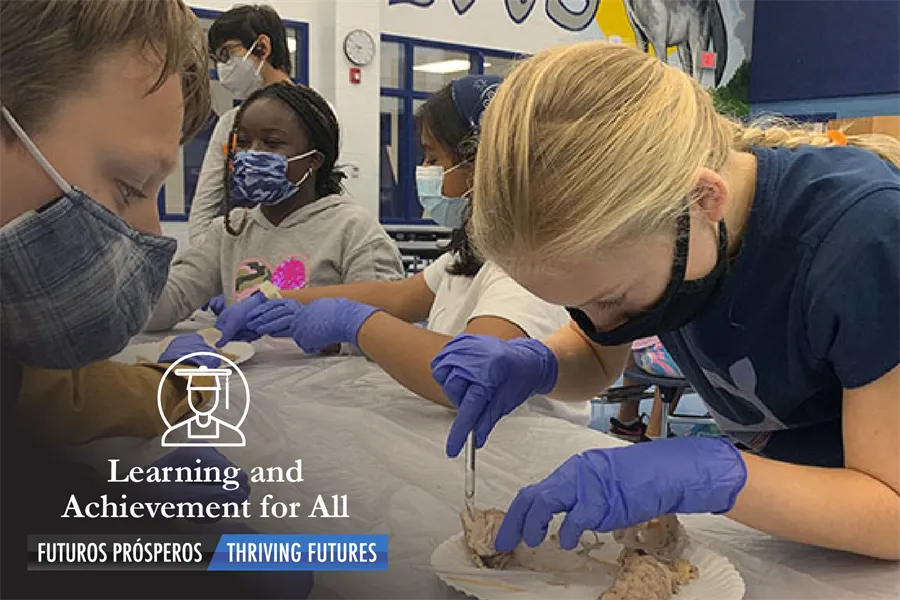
[(35, 152), (680, 258), (454, 167)]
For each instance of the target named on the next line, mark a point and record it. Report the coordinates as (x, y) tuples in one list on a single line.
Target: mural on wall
[(571, 15), (708, 39), (689, 25), (719, 31)]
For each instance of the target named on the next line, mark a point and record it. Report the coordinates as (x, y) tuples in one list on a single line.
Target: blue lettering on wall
[(558, 11), (518, 10), (420, 3), (462, 6), (571, 19)]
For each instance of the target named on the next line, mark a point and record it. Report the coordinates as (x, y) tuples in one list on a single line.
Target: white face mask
[(239, 75)]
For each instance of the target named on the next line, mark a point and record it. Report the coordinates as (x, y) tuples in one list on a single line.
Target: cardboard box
[(888, 125)]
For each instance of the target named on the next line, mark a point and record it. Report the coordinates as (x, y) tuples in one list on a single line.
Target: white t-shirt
[(493, 293)]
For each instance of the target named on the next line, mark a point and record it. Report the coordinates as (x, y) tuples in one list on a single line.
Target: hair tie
[(837, 137), (231, 144)]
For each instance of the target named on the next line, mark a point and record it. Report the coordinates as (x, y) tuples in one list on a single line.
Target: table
[(361, 434)]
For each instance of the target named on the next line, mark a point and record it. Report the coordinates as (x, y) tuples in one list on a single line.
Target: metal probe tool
[(470, 472)]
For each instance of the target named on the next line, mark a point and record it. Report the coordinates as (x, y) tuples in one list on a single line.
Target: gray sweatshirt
[(328, 242), (211, 181)]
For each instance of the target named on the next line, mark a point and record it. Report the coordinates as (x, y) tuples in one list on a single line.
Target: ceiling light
[(444, 66)]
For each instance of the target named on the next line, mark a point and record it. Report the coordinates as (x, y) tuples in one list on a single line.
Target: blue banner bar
[(279, 552)]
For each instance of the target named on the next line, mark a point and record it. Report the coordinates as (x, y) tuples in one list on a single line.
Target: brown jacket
[(104, 399)]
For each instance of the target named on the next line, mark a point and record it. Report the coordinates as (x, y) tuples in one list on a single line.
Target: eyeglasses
[(225, 52)]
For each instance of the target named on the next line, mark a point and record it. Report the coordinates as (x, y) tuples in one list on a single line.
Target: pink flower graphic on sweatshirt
[(290, 274)]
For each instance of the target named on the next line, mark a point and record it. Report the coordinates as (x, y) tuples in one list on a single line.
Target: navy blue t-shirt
[(811, 304)]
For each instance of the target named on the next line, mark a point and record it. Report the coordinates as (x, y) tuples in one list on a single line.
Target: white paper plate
[(142, 353), (718, 579)]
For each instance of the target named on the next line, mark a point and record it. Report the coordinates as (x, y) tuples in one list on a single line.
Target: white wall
[(357, 104), (485, 24)]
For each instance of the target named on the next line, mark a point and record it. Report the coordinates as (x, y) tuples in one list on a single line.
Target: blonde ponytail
[(778, 132)]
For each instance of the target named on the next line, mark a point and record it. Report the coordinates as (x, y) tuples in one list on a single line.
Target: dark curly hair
[(438, 116), (321, 125)]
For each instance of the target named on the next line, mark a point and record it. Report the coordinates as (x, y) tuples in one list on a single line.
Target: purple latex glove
[(488, 378), (215, 305), (199, 455), (188, 344), (232, 322), (313, 326), (609, 489)]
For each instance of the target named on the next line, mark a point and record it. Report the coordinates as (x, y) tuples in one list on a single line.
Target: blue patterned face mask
[(261, 178), (445, 211), (76, 281)]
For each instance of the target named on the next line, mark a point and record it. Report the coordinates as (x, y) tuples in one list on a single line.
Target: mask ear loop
[(302, 156), (250, 50), (250, 53), (308, 172), (304, 178), (35, 152)]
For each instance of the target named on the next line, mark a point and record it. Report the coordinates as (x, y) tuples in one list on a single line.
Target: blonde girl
[(766, 259)]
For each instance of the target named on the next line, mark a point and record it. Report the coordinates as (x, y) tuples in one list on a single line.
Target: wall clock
[(359, 47)]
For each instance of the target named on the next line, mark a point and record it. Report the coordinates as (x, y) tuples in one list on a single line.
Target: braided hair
[(438, 115), (321, 125)]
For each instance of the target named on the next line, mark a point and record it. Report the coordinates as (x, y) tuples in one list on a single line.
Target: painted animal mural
[(689, 25)]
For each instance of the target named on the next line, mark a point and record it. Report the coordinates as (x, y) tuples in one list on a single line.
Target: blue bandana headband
[(471, 96)]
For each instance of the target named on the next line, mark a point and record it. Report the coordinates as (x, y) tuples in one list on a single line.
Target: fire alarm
[(355, 75), (708, 60)]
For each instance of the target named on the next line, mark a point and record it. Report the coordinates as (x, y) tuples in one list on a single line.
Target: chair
[(671, 389)]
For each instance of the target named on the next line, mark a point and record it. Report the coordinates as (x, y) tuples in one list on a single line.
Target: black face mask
[(681, 303)]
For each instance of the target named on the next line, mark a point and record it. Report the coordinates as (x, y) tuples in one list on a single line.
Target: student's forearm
[(584, 371), (380, 294), (373, 293), (841, 509), (405, 352)]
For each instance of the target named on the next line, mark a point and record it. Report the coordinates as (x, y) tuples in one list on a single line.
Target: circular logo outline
[(165, 376)]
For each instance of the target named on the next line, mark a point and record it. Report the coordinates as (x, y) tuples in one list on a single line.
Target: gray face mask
[(76, 281), (240, 75)]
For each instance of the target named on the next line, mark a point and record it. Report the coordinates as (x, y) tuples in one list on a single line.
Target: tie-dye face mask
[(261, 178)]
